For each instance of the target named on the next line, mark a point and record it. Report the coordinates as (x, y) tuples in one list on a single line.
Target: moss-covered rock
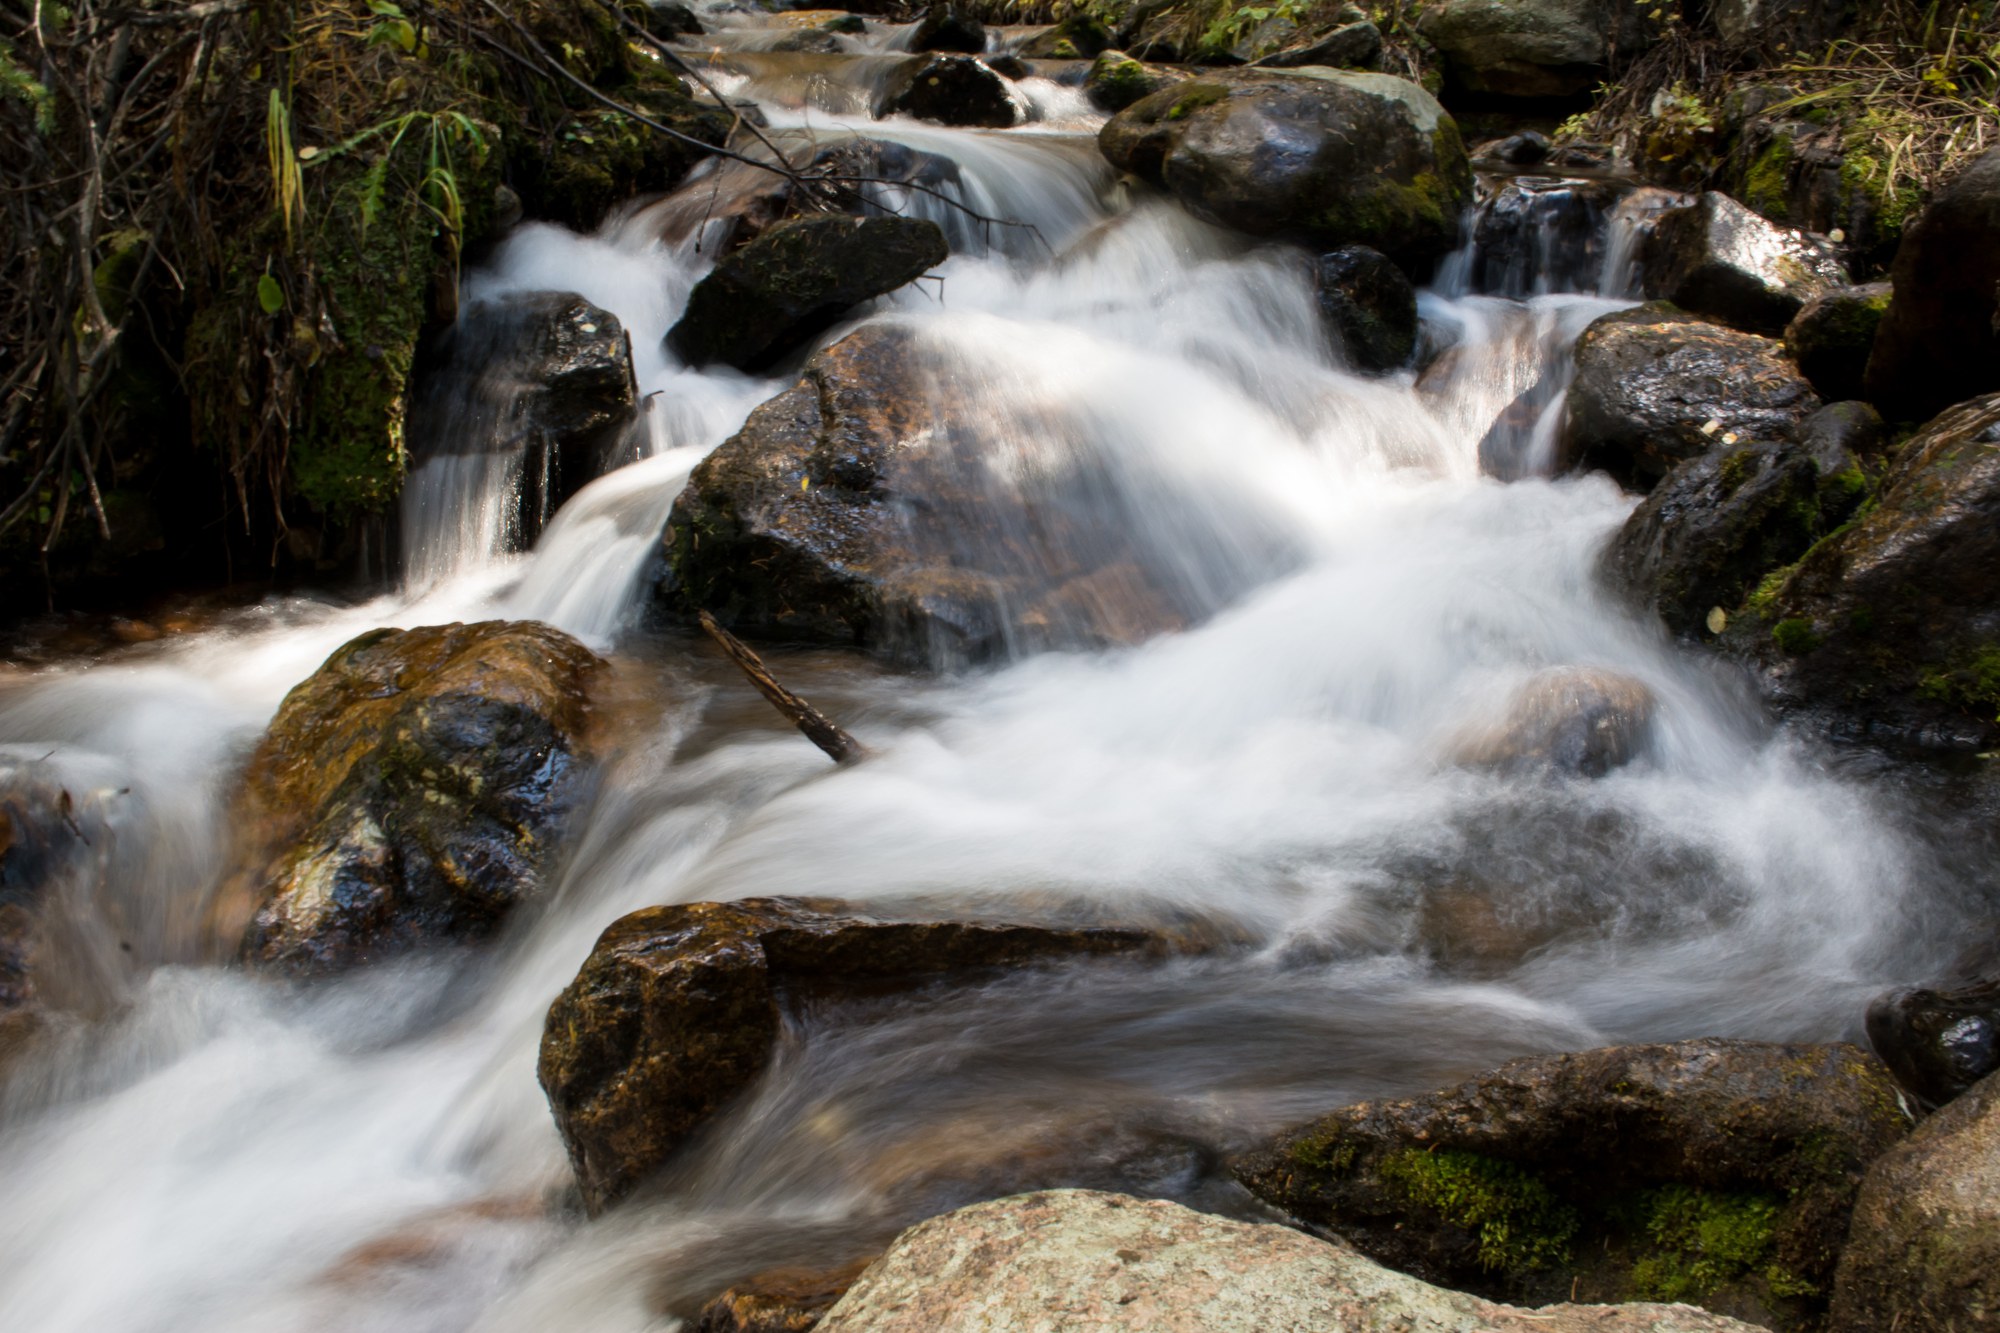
[(412, 790), (1535, 48), (1116, 80), (1716, 1172), (1079, 35), (1831, 336), (1324, 157)]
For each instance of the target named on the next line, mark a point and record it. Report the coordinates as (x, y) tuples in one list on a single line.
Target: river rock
[(811, 41), (1369, 306), (1711, 530), (1843, 435), (858, 507), (1323, 157), (783, 1300), (1889, 626), (669, 19), (1655, 386), (1923, 1254), (1831, 336), (1350, 46), (1940, 338), (1078, 1259), (945, 28), (678, 1008), (1938, 1041), (796, 280), (1539, 234), (1720, 1172), (1079, 35), (1116, 80), (1715, 257), (950, 90), (413, 790), (1575, 721), (1535, 48)]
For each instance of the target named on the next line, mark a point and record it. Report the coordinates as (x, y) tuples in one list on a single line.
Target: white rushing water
[(213, 1152)]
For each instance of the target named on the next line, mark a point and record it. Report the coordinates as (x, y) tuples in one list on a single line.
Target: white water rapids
[(216, 1152)]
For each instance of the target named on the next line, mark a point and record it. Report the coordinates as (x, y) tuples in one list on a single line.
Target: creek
[(218, 1152)]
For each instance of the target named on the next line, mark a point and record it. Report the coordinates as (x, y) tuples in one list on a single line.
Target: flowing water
[(199, 1149)]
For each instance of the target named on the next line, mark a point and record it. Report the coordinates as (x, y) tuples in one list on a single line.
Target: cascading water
[(222, 1153)]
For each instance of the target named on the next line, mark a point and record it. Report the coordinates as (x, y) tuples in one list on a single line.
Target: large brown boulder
[(1655, 386), (1077, 1259), (1939, 343), (678, 1008), (1319, 156), (1719, 1172), (1892, 626), (859, 507), (1923, 1254), (412, 791)]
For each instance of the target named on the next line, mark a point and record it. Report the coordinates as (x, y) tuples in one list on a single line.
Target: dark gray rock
[(1116, 80), (950, 90), (797, 280), (670, 18), (1831, 336), (944, 28), (1938, 1040), (1078, 36), (811, 41), (1535, 49), (1526, 149), (1352, 46), (1717, 258), (1369, 306)]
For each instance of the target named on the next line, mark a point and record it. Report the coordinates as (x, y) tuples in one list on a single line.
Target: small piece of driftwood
[(818, 728)]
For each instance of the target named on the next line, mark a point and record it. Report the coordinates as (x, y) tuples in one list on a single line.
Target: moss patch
[(1519, 1223), (1794, 636), (1767, 182), (1705, 1240)]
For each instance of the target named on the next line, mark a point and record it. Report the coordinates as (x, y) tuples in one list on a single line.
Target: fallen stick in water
[(818, 728)]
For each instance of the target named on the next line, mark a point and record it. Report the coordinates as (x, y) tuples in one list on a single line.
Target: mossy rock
[(1832, 335)]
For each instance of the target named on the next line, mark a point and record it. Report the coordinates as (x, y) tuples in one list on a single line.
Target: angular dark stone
[(944, 28), (1354, 46), (1831, 336), (1535, 49), (1717, 258), (1369, 306), (950, 90)]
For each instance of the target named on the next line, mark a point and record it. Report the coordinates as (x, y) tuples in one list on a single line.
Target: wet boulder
[(1831, 336), (1845, 442), (784, 1300), (1939, 342), (56, 845), (1655, 386), (1087, 1260), (1715, 257), (1116, 80), (1716, 1172), (950, 90), (1355, 45), (859, 507), (1369, 306), (1538, 234), (1573, 721), (1711, 530), (1535, 48), (1923, 1254), (1323, 157), (413, 791), (811, 41), (946, 28), (1891, 627), (1079, 35), (678, 1009), (797, 280), (669, 19), (1938, 1041)]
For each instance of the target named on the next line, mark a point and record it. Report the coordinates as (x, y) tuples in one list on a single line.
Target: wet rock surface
[(678, 1008), (944, 28), (857, 507), (1351, 46), (55, 845), (1938, 1040), (1655, 386), (1713, 528), (1717, 258), (1717, 1172), (1324, 157), (1888, 628), (1068, 1259), (1369, 306), (1535, 49), (1831, 337), (1573, 721), (1540, 233), (411, 791), (1939, 342), (796, 280), (1116, 80), (950, 90)]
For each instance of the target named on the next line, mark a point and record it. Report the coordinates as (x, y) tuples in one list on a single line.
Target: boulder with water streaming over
[(950, 90), (678, 1010), (1718, 1172), (1369, 306), (1323, 157), (1655, 386), (1715, 257), (1535, 49), (1571, 721), (412, 792), (796, 280), (1079, 1259)]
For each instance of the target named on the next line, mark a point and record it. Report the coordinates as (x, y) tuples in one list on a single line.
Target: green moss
[(1520, 1224), (1767, 181), (1969, 679), (1736, 469), (1794, 636), (1330, 1153), (1194, 97), (1705, 1240)]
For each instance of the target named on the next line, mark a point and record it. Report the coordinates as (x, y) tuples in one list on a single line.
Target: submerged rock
[(1923, 1254), (1939, 342), (678, 1008), (1655, 386), (412, 790), (1831, 336), (1892, 626), (1323, 157), (786, 1300), (1369, 306), (1719, 1172), (1116, 80), (797, 280), (1576, 721), (945, 28), (1535, 48), (1716, 258), (950, 90), (55, 847), (1713, 528), (1076, 1259)]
